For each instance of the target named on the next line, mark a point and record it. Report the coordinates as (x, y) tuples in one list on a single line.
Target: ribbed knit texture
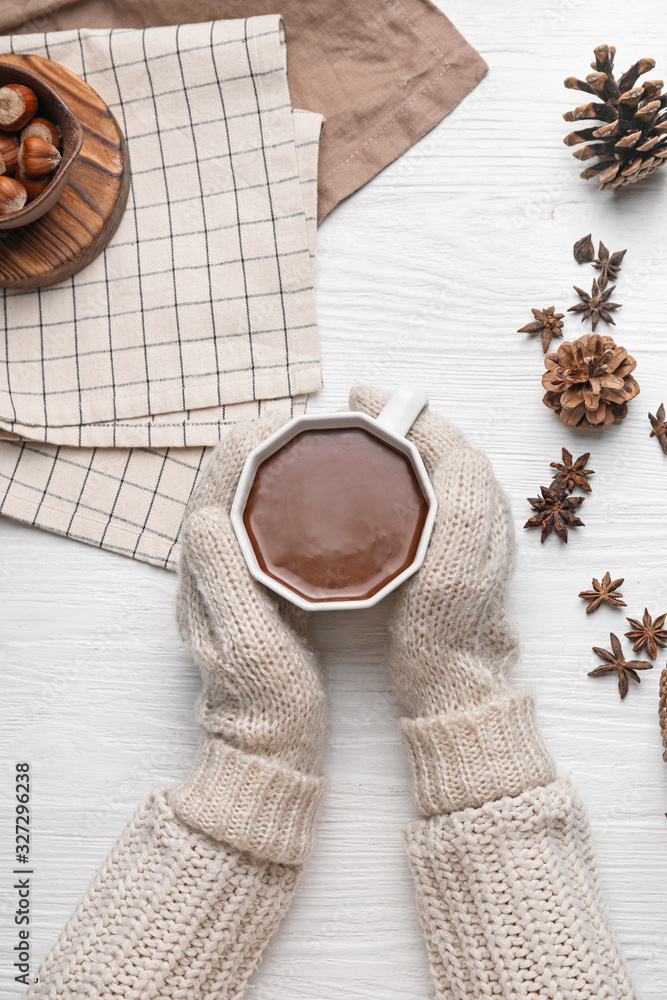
[(464, 759), (245, 799), (173, 914), (503, 862), (510, 901)]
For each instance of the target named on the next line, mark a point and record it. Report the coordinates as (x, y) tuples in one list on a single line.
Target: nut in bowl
[(40, 139)]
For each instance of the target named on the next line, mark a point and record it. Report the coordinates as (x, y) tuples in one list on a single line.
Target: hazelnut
[(43, 129), (34, 186), (18, 105), (13, 195), (37, 157), (9, 149)]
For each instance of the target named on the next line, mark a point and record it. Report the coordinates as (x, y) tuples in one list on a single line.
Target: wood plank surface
[(424, 275)]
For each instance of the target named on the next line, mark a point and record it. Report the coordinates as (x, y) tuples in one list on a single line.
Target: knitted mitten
[(202, 875), (503, 862)]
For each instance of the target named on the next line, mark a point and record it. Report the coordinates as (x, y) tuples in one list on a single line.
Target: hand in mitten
[(469, 736), (256, 783), (503, 863), (203, 874)]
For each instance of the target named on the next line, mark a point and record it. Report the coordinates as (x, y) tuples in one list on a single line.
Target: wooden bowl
[(51, 106)]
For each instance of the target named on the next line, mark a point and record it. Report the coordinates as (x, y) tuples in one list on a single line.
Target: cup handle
[(402, 409)]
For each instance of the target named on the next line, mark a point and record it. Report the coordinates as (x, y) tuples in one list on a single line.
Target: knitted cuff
[(257, 804), (510, 902), (465, 758)]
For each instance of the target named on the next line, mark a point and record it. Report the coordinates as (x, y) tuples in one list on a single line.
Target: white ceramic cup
[(390, 426)]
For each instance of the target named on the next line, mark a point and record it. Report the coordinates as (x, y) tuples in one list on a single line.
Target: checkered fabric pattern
[(190, 428), (128, 500), (92, 444), (205, 295)]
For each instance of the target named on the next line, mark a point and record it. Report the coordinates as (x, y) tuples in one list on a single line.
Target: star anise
[(659, 427), (603, 592), (595, 305), (616, 661), (584, 251), (648, 632), (572, 474), (548, 323), (555, 511), (607, 265)]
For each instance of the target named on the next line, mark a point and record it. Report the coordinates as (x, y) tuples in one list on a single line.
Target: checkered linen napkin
[(200, 312), (205, 295), (127, 500)]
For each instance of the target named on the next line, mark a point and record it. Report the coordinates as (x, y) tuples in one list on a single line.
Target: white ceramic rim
[(321, 422)]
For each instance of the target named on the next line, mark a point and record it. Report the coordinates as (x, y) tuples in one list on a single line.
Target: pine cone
[(588, 381), (632, 139)]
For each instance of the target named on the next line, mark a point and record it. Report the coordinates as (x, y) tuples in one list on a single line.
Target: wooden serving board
[(88, 212)]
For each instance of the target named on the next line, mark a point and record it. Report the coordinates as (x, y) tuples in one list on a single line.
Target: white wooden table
[(426, 275)]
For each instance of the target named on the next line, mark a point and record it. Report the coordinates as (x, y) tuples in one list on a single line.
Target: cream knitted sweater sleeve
[(200, 878), (502, 857), (173, 914)]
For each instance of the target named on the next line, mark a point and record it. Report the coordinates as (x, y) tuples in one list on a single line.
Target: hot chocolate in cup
[(335, 511)]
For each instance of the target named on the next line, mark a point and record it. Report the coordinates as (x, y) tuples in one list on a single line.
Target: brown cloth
[(382, 72)]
